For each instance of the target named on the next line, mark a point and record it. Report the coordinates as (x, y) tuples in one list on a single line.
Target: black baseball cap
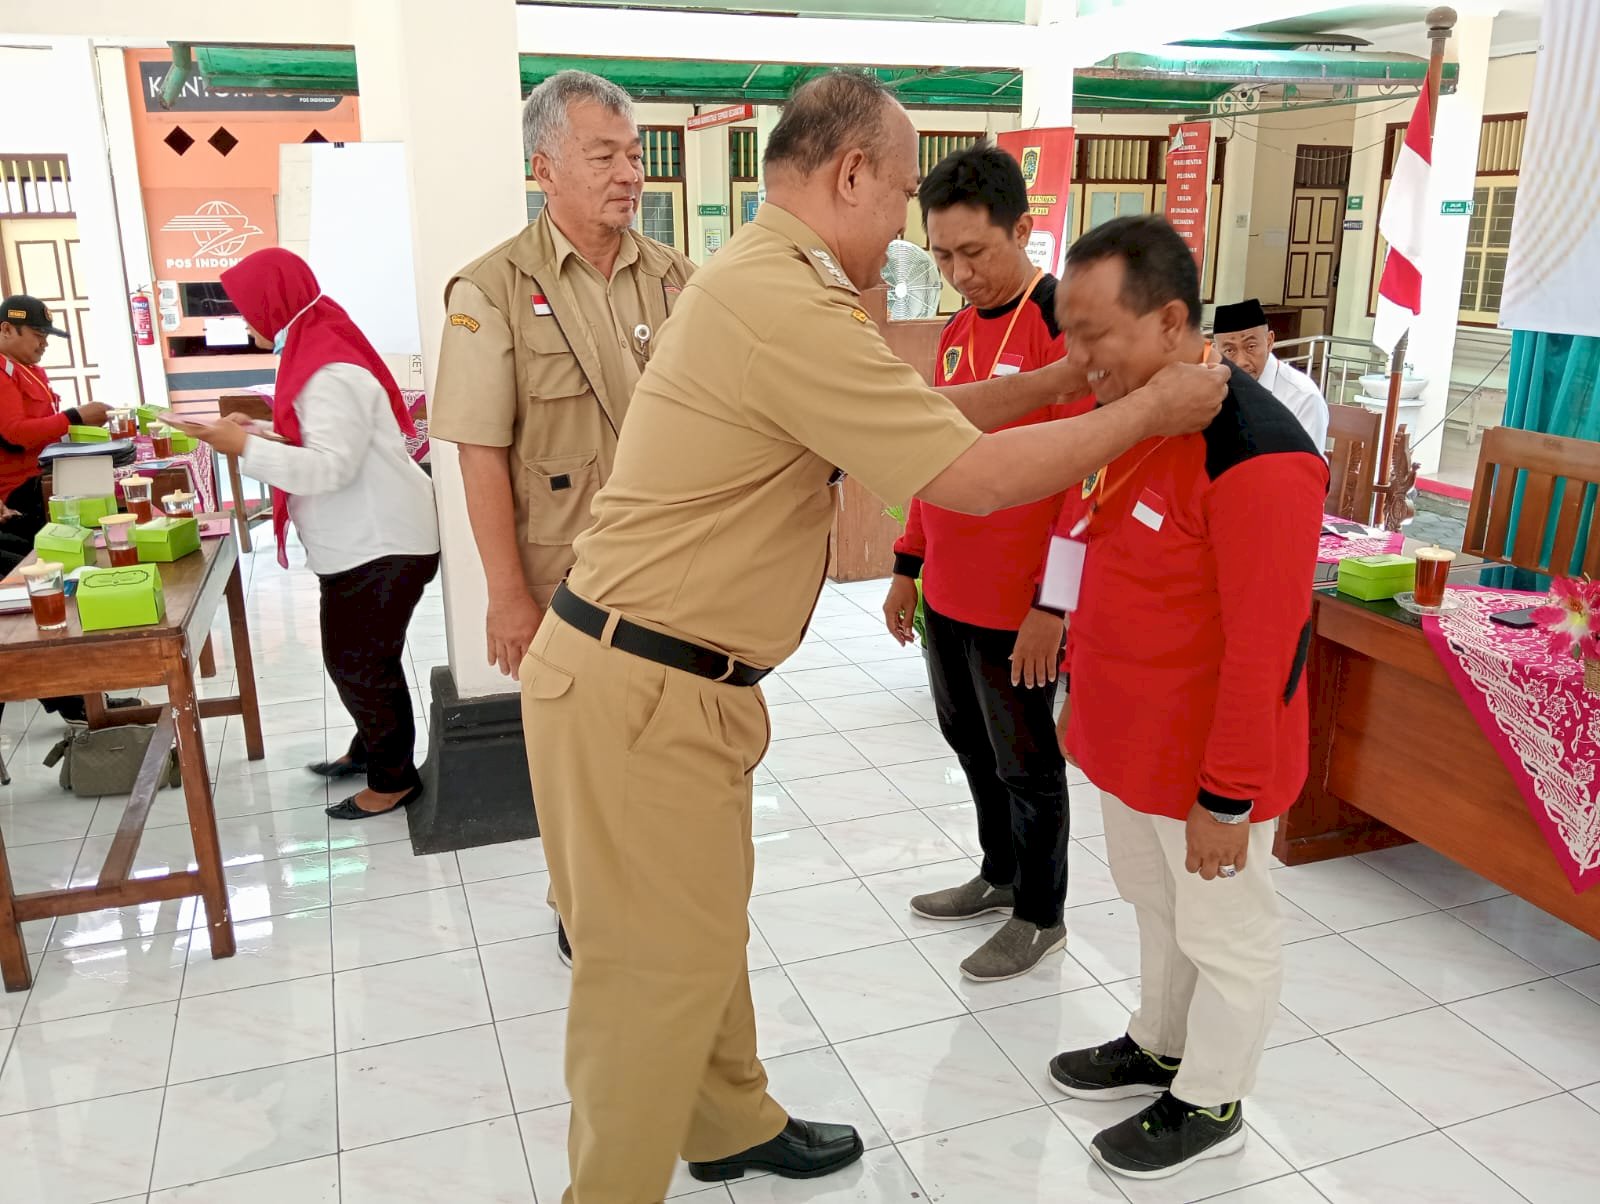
[(23, 310)]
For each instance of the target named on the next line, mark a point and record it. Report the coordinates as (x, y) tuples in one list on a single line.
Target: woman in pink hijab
[(337, 462)]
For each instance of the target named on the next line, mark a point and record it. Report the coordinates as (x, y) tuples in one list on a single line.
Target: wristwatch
[(1223, 817), (1226, 810)]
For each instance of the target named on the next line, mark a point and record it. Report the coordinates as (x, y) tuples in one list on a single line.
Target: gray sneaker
[(975, 898), (1012, 951)]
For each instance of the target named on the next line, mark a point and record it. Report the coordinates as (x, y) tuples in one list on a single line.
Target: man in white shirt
[(1241, 335)]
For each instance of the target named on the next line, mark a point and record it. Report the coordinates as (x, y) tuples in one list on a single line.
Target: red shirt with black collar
[(29, 422), (1187, 650), (983, 570)]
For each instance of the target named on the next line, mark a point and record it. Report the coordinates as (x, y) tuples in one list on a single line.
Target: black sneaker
[(1119, 1069), (563, 946), (1168, 1136)]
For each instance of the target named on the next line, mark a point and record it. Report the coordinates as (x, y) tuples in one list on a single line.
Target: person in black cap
[(31, 416), (1240, 332)]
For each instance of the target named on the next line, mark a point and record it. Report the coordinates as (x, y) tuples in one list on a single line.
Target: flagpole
[(1440, 22)]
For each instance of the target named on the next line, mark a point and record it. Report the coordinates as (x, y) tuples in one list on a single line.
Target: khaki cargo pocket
[(541, 679), (559, 490), (553, 370)]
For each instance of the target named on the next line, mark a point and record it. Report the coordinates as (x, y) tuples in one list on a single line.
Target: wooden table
[(36, 664), (1396, 756)]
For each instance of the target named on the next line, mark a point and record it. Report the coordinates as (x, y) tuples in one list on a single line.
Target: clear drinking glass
[(136, 497), (47, 592), (120, 549)]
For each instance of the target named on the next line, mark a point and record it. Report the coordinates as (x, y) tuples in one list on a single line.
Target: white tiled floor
[(391, 1027)]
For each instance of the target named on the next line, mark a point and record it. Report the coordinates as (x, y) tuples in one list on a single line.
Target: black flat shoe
[(350, 810), (563, 945), (337, 769), (804, 1150)]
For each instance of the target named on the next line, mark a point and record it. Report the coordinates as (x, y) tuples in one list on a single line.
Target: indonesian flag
[(1403, 222)]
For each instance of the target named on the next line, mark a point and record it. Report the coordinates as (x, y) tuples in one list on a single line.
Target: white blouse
[(356, 495)]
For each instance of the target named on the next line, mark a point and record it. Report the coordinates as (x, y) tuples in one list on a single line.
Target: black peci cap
[(1244, 315), (23, 310)]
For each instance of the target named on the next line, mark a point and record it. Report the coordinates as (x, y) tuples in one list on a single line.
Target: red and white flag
[(1403, 224)]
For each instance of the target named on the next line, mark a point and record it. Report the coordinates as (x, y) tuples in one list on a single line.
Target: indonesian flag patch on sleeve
[(1008, 365), (541, 307)]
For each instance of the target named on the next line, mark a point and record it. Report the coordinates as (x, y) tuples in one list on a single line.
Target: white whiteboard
[(359, 242)]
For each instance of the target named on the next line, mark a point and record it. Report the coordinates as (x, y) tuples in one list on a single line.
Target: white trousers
[(1210, 953)]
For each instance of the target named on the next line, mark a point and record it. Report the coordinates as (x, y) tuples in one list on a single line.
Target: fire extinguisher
[(144, 331)]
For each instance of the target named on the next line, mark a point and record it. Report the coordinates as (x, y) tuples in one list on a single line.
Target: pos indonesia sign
[(1189, 184), (1046, 159), (198, 233)]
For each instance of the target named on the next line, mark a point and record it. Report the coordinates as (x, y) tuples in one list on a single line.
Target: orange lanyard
[(972, 358), (1096, 481)]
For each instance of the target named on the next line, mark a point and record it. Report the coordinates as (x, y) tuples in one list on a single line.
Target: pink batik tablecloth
[(416, 403), (1333, 548), (1532, 707)]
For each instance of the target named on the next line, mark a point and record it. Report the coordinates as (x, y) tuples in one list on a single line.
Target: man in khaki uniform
[(708, 552), (544, 341)]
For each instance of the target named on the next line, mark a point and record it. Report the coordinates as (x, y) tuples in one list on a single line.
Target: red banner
[(1046, 159), (724, 116), (1189, 184)]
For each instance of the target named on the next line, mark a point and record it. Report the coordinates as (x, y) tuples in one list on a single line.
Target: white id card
[(1063, 573)]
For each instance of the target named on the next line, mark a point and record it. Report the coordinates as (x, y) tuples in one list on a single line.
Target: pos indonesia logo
[(220, 233), (1030, 166)]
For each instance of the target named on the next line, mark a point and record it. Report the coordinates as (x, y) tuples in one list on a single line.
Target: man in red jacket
[(1187, 565), (992, 649), (30, 413)]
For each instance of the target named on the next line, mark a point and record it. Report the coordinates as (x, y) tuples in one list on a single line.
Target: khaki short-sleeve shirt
[(714, 524), (540, 355)]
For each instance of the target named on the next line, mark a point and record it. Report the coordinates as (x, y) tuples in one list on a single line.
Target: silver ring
[(1227, 871)]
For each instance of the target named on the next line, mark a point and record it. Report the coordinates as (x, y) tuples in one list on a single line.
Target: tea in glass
[(178, 505), (1433, 570), (136, 497), (161, 441), (120, 549), (47, 593), (121, 424)]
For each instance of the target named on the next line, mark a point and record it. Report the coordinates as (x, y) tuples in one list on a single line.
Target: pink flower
[(1572, 615)]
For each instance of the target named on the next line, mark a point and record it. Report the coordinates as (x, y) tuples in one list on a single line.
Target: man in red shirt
[(992, 649), (30, 413), (1187, 564)]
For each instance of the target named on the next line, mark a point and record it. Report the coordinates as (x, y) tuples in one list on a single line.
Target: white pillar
[(137, 268), (1356, 259), (1046, 56), (1454, 174), (79, 130), (443, 79), (706, 183), (1233, 227), (766, 121)]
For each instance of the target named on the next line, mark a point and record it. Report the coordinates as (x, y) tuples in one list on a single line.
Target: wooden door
[(1316, 234), (42, 259)]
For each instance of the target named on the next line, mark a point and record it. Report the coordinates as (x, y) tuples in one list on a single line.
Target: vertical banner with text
[(1046, 159), (1189, 184)]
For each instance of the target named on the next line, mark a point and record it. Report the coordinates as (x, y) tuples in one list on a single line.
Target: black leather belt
[(652, 645)]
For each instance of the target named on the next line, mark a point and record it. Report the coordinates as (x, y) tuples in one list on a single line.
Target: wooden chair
[(251, 405), (1354, 432), (1542, 462)]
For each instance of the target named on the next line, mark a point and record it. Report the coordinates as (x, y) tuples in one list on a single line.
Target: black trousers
[(1005, 738), (365, 613)]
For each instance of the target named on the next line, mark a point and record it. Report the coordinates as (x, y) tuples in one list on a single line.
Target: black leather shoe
[(563, 946), (349, 809), (338, 769), (804, 1150)]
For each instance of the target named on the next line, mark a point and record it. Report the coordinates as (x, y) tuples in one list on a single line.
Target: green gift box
[(71, 547), (88, 434), (90, 509), (125, 597), (164, 540), (183, 444), (148, 417), (1372, 578)]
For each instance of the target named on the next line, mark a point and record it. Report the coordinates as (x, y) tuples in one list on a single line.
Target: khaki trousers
[(642, 780), (1210, 953)]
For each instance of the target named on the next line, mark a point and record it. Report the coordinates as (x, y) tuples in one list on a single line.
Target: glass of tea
[(47, 592), (120, 549), (136, 497), (1433, 569), (120, 424), (161, 441), (178, 505)]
